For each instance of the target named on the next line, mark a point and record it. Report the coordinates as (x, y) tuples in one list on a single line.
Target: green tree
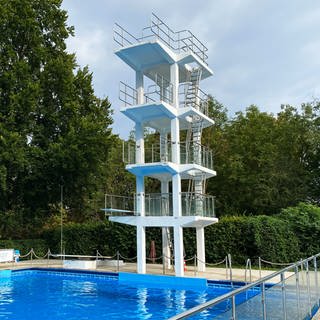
[(53, 131), (263, 161)]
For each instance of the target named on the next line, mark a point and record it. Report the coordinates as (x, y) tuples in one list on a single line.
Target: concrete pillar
[(141, 249), (201, 254), (176, 195), (139, 132), (174, 79), (177, 230), (166, 241), (175, 140), (178, 251), (141, 232), (139, 87)]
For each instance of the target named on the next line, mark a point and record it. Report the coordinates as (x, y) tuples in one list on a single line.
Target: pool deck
[(211, 273)]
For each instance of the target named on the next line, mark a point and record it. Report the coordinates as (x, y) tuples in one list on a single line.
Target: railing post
[(308, 287), (263, 301), (234, 316), (283, 290), (195, 265), (163, 264), (227, 264), (118, 262), (316, 277), (296, 271), (259, 261), (230, 268)]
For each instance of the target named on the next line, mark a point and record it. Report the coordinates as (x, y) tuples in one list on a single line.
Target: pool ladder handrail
[(248, 269), (261, 283)]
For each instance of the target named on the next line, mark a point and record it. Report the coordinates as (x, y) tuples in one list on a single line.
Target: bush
[(39, 246), (304, 221), (251, 237), (87, 238)]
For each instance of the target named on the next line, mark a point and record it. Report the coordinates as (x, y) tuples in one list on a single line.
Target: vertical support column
[(166, 252), (175, 140), (201, 254), (178, 251), (176, 179), (141, 230), (174, 79), (139, 132), (139, 87), (178, 231), (141, 249)]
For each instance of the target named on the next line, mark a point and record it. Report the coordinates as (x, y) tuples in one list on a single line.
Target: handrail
[(232, 294), (178, 41), (248, 268), (192, 152)]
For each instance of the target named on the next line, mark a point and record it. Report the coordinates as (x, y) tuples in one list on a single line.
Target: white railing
[(191, 152), (181, 41), (160, 204)]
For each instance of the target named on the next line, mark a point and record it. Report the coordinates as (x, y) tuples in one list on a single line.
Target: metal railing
[(197, 204), (181, 41), (199, 100), (196, 153), (289, 294), (160, 204), (122, 37), (119, 205), (191, 152), (162, 90), (127, 94)]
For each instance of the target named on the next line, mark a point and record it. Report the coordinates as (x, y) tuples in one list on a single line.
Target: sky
[(262, 52)]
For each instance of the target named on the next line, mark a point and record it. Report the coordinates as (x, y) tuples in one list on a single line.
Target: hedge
[(284, 238), (40, 246)]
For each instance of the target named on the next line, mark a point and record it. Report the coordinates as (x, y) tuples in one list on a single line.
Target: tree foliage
[(53, 131), (264, 162)]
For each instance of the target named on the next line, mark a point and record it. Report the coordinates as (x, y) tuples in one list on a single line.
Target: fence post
[(308, 287), (316, 277), (283, 289), (234, 316), (195, 265), (296, 271), (226, 267), (48, 257), (230, 268), (263, 301), (259, 261), (118, 262), (163, 264), (31, 256)]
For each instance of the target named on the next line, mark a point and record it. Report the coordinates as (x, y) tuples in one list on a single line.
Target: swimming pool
[(59, 294)]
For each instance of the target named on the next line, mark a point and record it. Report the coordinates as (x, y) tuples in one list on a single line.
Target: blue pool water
[(40, 294)]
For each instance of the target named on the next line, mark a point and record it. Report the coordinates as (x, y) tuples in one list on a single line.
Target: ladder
[(192, 92)]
